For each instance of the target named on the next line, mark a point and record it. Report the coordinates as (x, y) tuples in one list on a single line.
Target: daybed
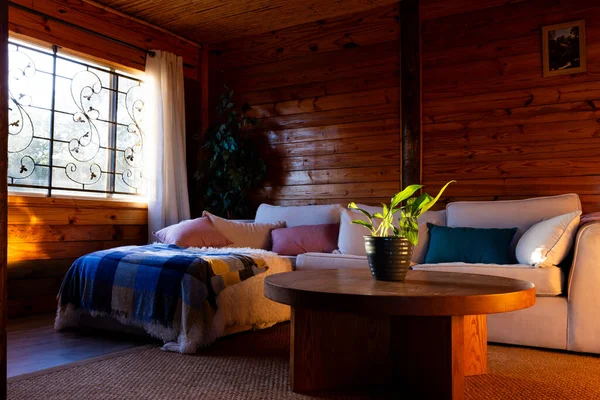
[(187, 297)]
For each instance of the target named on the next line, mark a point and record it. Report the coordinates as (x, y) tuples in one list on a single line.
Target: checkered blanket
[(170, 288)]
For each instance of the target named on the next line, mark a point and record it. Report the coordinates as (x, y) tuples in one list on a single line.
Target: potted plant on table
[(389, 247)]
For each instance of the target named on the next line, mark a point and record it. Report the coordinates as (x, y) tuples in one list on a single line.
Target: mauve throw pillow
[(305, 239), (198, 232)]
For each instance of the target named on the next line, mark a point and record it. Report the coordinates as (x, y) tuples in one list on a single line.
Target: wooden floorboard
[(33, 344)]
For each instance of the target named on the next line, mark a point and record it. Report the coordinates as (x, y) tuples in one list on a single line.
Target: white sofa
[(564, 316)]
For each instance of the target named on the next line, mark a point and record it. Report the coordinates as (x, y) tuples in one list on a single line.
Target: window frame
[(90, 64)]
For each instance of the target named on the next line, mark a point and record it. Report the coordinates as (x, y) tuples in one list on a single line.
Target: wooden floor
[(33, 344)]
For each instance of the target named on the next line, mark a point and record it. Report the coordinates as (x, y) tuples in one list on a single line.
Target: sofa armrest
[(583, 291)]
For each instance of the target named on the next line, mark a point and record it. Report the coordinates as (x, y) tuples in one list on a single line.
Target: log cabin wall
[(46, 235), (327, 95), (490, 120)]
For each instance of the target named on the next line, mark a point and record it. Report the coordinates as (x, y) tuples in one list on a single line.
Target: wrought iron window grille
[(73, 126)]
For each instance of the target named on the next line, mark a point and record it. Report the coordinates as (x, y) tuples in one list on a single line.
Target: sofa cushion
[(548, 242), (299, 215), (244, 234), (350, 240), (470, 245), (330, 261), (510, 213), (197, 232), (547, 281), (306, 238)]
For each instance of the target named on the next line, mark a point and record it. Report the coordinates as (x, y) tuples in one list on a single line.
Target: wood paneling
[(73, 24), (327, 96), (45, 235), (490, 120), (216, 20)]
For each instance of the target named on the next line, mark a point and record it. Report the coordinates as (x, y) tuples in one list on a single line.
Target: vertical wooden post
[(203, 90), (410, 67), (3, 188)]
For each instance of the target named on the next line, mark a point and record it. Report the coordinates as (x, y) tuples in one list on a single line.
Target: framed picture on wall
[(563, 48)]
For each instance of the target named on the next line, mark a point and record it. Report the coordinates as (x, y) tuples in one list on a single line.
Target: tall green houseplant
[(234, 166)]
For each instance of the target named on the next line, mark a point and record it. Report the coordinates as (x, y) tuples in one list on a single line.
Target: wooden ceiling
[(211, 21)]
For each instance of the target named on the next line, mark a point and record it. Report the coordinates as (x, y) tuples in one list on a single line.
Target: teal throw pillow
[(469, 245)]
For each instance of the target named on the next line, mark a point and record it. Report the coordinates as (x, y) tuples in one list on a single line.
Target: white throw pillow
[(299, 215), (548, 242), (351, 241), (244, 234)]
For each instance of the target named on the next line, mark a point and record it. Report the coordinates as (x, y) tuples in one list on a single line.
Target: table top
[(423, 293)]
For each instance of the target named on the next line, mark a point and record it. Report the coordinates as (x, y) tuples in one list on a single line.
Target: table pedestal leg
[(428, 356), (425, 356), (336, 350), (475, 345)]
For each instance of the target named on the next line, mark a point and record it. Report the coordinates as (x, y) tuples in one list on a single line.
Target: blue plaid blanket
[(170, 287)]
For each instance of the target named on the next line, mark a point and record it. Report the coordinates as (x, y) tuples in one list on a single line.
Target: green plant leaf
[(412, 236), (353, 206), (420, 202), (365, 224), (378, 215), (385, 209), (432, 202), (404, 194)]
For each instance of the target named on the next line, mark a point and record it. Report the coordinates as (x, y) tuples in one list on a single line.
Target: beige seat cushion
[(330, 261), (548, 281)]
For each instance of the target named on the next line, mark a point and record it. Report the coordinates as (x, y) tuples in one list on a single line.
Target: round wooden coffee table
[(423, 335)]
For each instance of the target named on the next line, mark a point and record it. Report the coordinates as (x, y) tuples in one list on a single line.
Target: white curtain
[(165, 142)]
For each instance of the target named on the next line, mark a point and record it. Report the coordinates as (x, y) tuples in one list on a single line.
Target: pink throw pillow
[(591, 217), (197, 232), (305, 239)]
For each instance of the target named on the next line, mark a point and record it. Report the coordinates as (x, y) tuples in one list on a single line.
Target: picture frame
[(564, 49)]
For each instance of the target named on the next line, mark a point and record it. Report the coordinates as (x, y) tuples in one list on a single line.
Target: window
[(73, 126)]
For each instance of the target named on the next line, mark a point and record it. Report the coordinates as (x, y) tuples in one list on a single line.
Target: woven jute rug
[(254, 365)]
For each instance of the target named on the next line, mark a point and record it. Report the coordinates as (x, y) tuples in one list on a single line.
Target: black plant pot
[(389, 257)]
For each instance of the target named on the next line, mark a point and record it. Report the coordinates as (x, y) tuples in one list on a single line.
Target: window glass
[(74, 126)]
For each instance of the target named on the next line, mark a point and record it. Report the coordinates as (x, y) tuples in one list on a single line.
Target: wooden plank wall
[(45, 235), (490, 120), (327, 95)]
